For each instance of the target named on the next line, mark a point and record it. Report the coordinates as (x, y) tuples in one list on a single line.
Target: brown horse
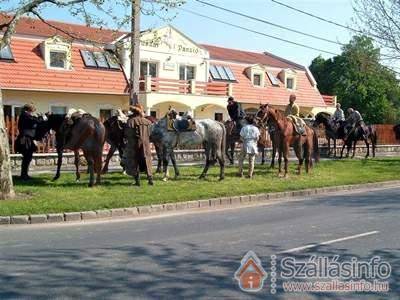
[(232, 137), (87, 133), (305, 146)]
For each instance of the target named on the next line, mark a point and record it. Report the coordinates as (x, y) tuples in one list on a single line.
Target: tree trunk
[(134, 57), (6, 184)]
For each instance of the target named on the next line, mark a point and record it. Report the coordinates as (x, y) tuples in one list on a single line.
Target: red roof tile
[(35, 27), (220, 53), (329, 100), (30, 73)]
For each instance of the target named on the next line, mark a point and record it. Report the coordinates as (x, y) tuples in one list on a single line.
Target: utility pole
[(135, 55)]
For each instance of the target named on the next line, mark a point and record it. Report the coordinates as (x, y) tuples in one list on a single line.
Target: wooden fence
[(385, 134)]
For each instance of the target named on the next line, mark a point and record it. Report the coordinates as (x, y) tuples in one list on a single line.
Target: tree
[(360, 81), (93, 13), (380, 19)]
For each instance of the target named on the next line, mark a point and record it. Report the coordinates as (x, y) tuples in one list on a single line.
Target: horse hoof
[(77, 180), (165, 179)]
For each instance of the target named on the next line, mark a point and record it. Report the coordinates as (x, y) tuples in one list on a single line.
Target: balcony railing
[(190, 87)]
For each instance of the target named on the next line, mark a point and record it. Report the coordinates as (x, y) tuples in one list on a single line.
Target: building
[(81, 67)]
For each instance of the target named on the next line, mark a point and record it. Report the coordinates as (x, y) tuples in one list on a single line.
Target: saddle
[(183, 124), (298, 124)]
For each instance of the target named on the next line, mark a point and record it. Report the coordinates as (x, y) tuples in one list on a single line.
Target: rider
[(249, 135), (137, 154), (235, 112), (338, 115), (25, 144), (293, 112), (355, 120)]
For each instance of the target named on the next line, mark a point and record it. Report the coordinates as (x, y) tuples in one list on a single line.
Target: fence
[(385, 133)]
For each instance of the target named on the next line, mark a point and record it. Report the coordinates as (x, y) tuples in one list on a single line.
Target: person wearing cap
[(235, 112), (355, 120), (249, 135), (25, 144), (137, 154)]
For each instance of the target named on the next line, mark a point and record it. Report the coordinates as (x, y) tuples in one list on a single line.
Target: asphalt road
[(195, 255)]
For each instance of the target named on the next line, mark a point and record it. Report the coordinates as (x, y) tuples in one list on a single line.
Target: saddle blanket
[(298, 124)]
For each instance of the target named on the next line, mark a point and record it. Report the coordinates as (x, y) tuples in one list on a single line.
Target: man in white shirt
[(338, 116), (249, 135)]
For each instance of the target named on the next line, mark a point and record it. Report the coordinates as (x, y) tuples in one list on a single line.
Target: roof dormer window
[(256, 73), (57, 53), (6, 53), (289, 77), (257, 79), (290, 83), (58, 59)]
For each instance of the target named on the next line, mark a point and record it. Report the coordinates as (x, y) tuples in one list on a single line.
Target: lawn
[(41, 195)]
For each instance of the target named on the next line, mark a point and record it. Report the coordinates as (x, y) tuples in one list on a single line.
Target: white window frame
[(106, 106), (157, 63), (187, 65), (14, 104), (294, 82), (261, 79), (65, 62), (59, 104)]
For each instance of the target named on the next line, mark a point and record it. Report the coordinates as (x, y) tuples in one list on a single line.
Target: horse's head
[(261, 116), (396, 129), (172, 113), (321, 118)]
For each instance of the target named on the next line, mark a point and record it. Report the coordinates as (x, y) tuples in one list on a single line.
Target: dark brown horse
[(232, 137), (305, 146), (87, 133)]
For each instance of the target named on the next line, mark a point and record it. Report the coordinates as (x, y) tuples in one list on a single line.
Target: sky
[(209, 32)]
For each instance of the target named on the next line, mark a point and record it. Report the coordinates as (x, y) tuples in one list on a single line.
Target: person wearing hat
[(292, 111), (235, 112), (137, 154), (249, 135), (25, 144)]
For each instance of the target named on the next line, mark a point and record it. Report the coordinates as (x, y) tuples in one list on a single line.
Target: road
[(195, 255)]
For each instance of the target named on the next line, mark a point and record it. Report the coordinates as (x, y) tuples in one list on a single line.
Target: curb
[(157, 209)]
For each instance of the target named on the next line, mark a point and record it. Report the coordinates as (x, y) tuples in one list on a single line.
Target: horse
[(396, 130), (305, 146), (88, 134), (333, 131), (209, 133), (369, 136), (115, 138)]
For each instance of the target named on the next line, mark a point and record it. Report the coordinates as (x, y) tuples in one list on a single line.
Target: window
[(186, 72), (148, 68), (290, 83), (221, 73), (5, 53), (58, 59), (58, 110), (105, 114), (153, 114), (257, 79), (98, 59), (218, 117), (273, 79)]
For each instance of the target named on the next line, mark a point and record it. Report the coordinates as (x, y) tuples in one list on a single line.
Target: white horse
[(209, 133)]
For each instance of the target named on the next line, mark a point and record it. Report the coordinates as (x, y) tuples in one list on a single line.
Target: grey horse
[(209, 133)]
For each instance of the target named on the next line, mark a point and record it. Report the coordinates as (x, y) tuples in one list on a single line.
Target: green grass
[(44, 196)]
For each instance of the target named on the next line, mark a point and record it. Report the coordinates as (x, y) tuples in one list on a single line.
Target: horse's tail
[(315, 146)]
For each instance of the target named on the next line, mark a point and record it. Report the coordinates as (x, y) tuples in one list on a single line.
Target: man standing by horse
[(292, 111), (249, 135), (137, 153), (25, 143), (236, 113)]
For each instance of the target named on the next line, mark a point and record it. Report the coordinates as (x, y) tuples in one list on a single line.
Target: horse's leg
[(262, 155), (90, 161), (59, 162), (367, 144), (286, 158), (159, 158), (166, 155), (272, 166), (207, 165), (97, 166), (232, 154), (354, 148), (110, 154), (329, 147), (76, 161), (173, 161), (373, 141), (334, 147), (280, 153), (297, 150)]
